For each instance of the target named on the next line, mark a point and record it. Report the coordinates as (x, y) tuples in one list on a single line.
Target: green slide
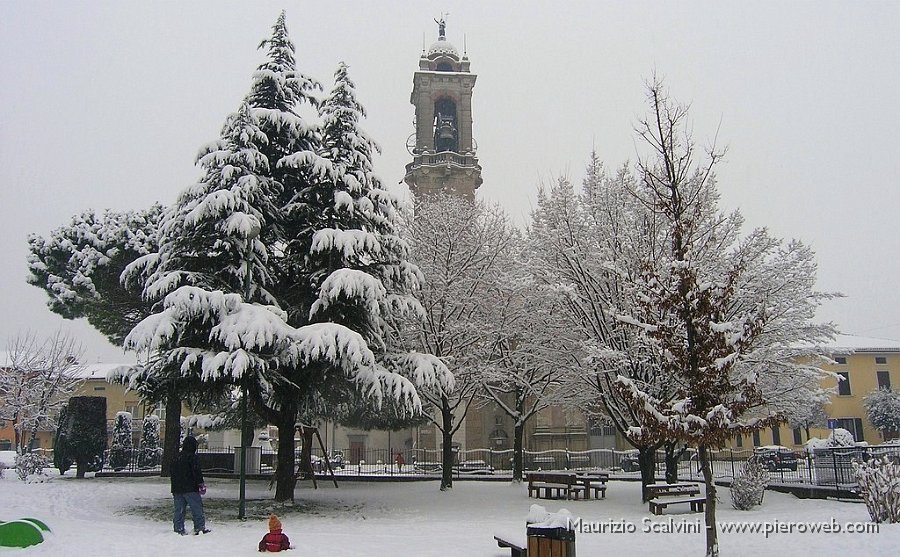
[(22, 533)]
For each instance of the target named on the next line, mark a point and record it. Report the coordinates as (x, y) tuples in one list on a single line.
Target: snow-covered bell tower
[(442, 146)]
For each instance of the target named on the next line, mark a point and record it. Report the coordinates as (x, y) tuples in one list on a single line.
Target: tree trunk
[(80, 468), (673, 455), (31, 439), (173, 433), (446, 446), (306, 455), (647, 461), (17, 433), (712, 536), (518, 451), (285, 480)]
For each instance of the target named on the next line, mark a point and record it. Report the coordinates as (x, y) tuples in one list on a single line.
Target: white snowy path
[(390, 519)]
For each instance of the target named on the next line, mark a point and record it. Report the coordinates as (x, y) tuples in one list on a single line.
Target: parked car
[(776, 457), (630, 462), (476, 467)]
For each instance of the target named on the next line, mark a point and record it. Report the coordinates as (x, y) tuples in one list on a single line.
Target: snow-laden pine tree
[(310, 236), (78, 265), (730, 315), (211, 240), (361, 272), (212, 236), (461, 247)]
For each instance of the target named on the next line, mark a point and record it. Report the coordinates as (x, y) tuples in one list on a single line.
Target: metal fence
[(822, 467)]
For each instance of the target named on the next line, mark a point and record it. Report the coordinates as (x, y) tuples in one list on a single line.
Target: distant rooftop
[(99, 371), (86, 371), (853, 343)]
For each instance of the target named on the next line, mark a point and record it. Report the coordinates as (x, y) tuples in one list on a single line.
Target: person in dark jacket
[(275, 540), (187, 487)]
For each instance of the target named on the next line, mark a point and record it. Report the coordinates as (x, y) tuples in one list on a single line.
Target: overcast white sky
[(105, 104)]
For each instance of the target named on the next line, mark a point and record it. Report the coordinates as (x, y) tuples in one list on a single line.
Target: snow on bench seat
[(516, 542)]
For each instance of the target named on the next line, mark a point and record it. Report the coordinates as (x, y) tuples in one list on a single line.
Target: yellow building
[(94, 383), (866, 364)]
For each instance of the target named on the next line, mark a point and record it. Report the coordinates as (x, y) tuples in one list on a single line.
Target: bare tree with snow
[(588, 246), (726, 312), (532, 350), (40, 377), (461, 247)]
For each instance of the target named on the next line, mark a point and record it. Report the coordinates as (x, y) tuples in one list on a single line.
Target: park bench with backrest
[(554, 485), (664, 495)]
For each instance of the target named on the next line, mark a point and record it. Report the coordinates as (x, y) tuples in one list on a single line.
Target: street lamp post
[(242, 505)]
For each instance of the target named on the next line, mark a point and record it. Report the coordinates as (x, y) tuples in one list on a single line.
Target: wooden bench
[(516, 544), (673, 490), (554, 485), (663, 495), (657, 506)]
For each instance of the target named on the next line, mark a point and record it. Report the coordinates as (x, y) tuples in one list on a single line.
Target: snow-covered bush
[(81, 438), (150, 452), (839, 438), (883, 408), (749, 486), (122, 444), (879, 485), (30, 464)]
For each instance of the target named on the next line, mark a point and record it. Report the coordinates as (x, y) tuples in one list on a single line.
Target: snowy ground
[(99, 517)]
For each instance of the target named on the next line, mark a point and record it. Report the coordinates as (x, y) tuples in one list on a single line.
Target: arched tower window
[(446, 130), (444, 67)]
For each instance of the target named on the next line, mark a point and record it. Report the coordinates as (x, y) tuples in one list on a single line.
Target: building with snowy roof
[(864, 365)]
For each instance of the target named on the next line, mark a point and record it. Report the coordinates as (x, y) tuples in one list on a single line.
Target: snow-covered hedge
[(31, 465), (150, 453), (839, 438), (879, 485), (749, 486), (122, 444)]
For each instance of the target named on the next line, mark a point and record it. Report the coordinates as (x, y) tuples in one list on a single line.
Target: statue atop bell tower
[(442, 146)]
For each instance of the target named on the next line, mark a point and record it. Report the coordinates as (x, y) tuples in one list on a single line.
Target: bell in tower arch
[(446, 133)]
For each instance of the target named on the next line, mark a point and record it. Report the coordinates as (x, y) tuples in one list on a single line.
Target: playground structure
[(22, 533), (305, 468)]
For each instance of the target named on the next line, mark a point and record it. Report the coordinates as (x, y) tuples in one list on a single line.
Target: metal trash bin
[(252, 464), (550, 542)]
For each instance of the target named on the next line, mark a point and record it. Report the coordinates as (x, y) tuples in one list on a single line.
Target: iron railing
[(831, 467)]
